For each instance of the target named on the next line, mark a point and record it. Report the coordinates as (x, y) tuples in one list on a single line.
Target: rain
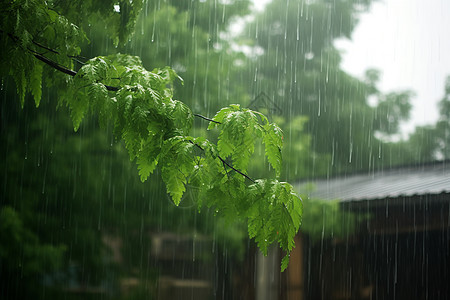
[(361, 91)]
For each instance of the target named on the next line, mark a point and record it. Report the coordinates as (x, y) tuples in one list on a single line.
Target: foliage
[(41, 183), (297, 64), (16, 238), (140, 106), (77, 192), (334, 222), (188, 37), (431, 142), (118, 16), (443, 124)]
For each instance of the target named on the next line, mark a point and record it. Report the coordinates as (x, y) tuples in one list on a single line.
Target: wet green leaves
[(240, 128), (154, 127), (275, 215), (155, 130)]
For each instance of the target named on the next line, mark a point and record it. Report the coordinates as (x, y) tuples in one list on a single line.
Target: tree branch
[(65, 70), (44, 47), (76, 58), (207, 119), (53, 64), (70, 72), (236, 170), (224, 162), (60, 68)]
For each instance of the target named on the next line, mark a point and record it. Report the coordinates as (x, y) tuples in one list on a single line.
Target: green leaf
[(148, 157), (284, 262), (36, 83), (244, 150), (275, 215), (181, 116), (178, 163), (88, 72), (79, 107), (97, 93), (145, 168), (220, 115), (175, 182), (21, 83), (225, 145), (273, 142), (169, 75)]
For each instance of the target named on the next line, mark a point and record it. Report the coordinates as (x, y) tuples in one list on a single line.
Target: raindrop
[(153, 28), (309, 55), (318, 112), (350, 153)]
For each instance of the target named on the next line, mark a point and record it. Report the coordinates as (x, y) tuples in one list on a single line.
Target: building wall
[(401, 252)]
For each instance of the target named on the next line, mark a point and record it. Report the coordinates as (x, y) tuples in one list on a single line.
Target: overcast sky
[(409, 42)]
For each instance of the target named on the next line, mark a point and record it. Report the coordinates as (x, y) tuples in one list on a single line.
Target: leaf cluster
[(47, 30), (275, 215), (239, 130), (155, 128), (29, 29), (155, 131), (119, 17)]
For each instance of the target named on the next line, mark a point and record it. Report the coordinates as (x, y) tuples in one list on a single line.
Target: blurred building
[(401, 251)]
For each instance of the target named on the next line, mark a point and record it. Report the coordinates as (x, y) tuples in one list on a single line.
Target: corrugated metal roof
[(431, 178)]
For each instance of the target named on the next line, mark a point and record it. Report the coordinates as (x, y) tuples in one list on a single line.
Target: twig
[(236, 170), (70, 72), (78, 57), (78, 61), (224, 162), (207, 119), (65, 70), (44, 47), (53, 64), (226, 171)]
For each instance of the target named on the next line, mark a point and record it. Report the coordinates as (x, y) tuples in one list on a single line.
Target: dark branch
[(77, 60), (74, 57), (54, 64), (236, 170), (207, 119), (60, 68), (78, 57), (224, 163), (113, 88), (44, 47), (70, 72)]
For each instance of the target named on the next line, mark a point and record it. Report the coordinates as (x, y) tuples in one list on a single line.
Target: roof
[(432, 178)]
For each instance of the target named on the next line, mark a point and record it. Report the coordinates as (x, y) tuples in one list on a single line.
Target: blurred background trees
[(298, 65)]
